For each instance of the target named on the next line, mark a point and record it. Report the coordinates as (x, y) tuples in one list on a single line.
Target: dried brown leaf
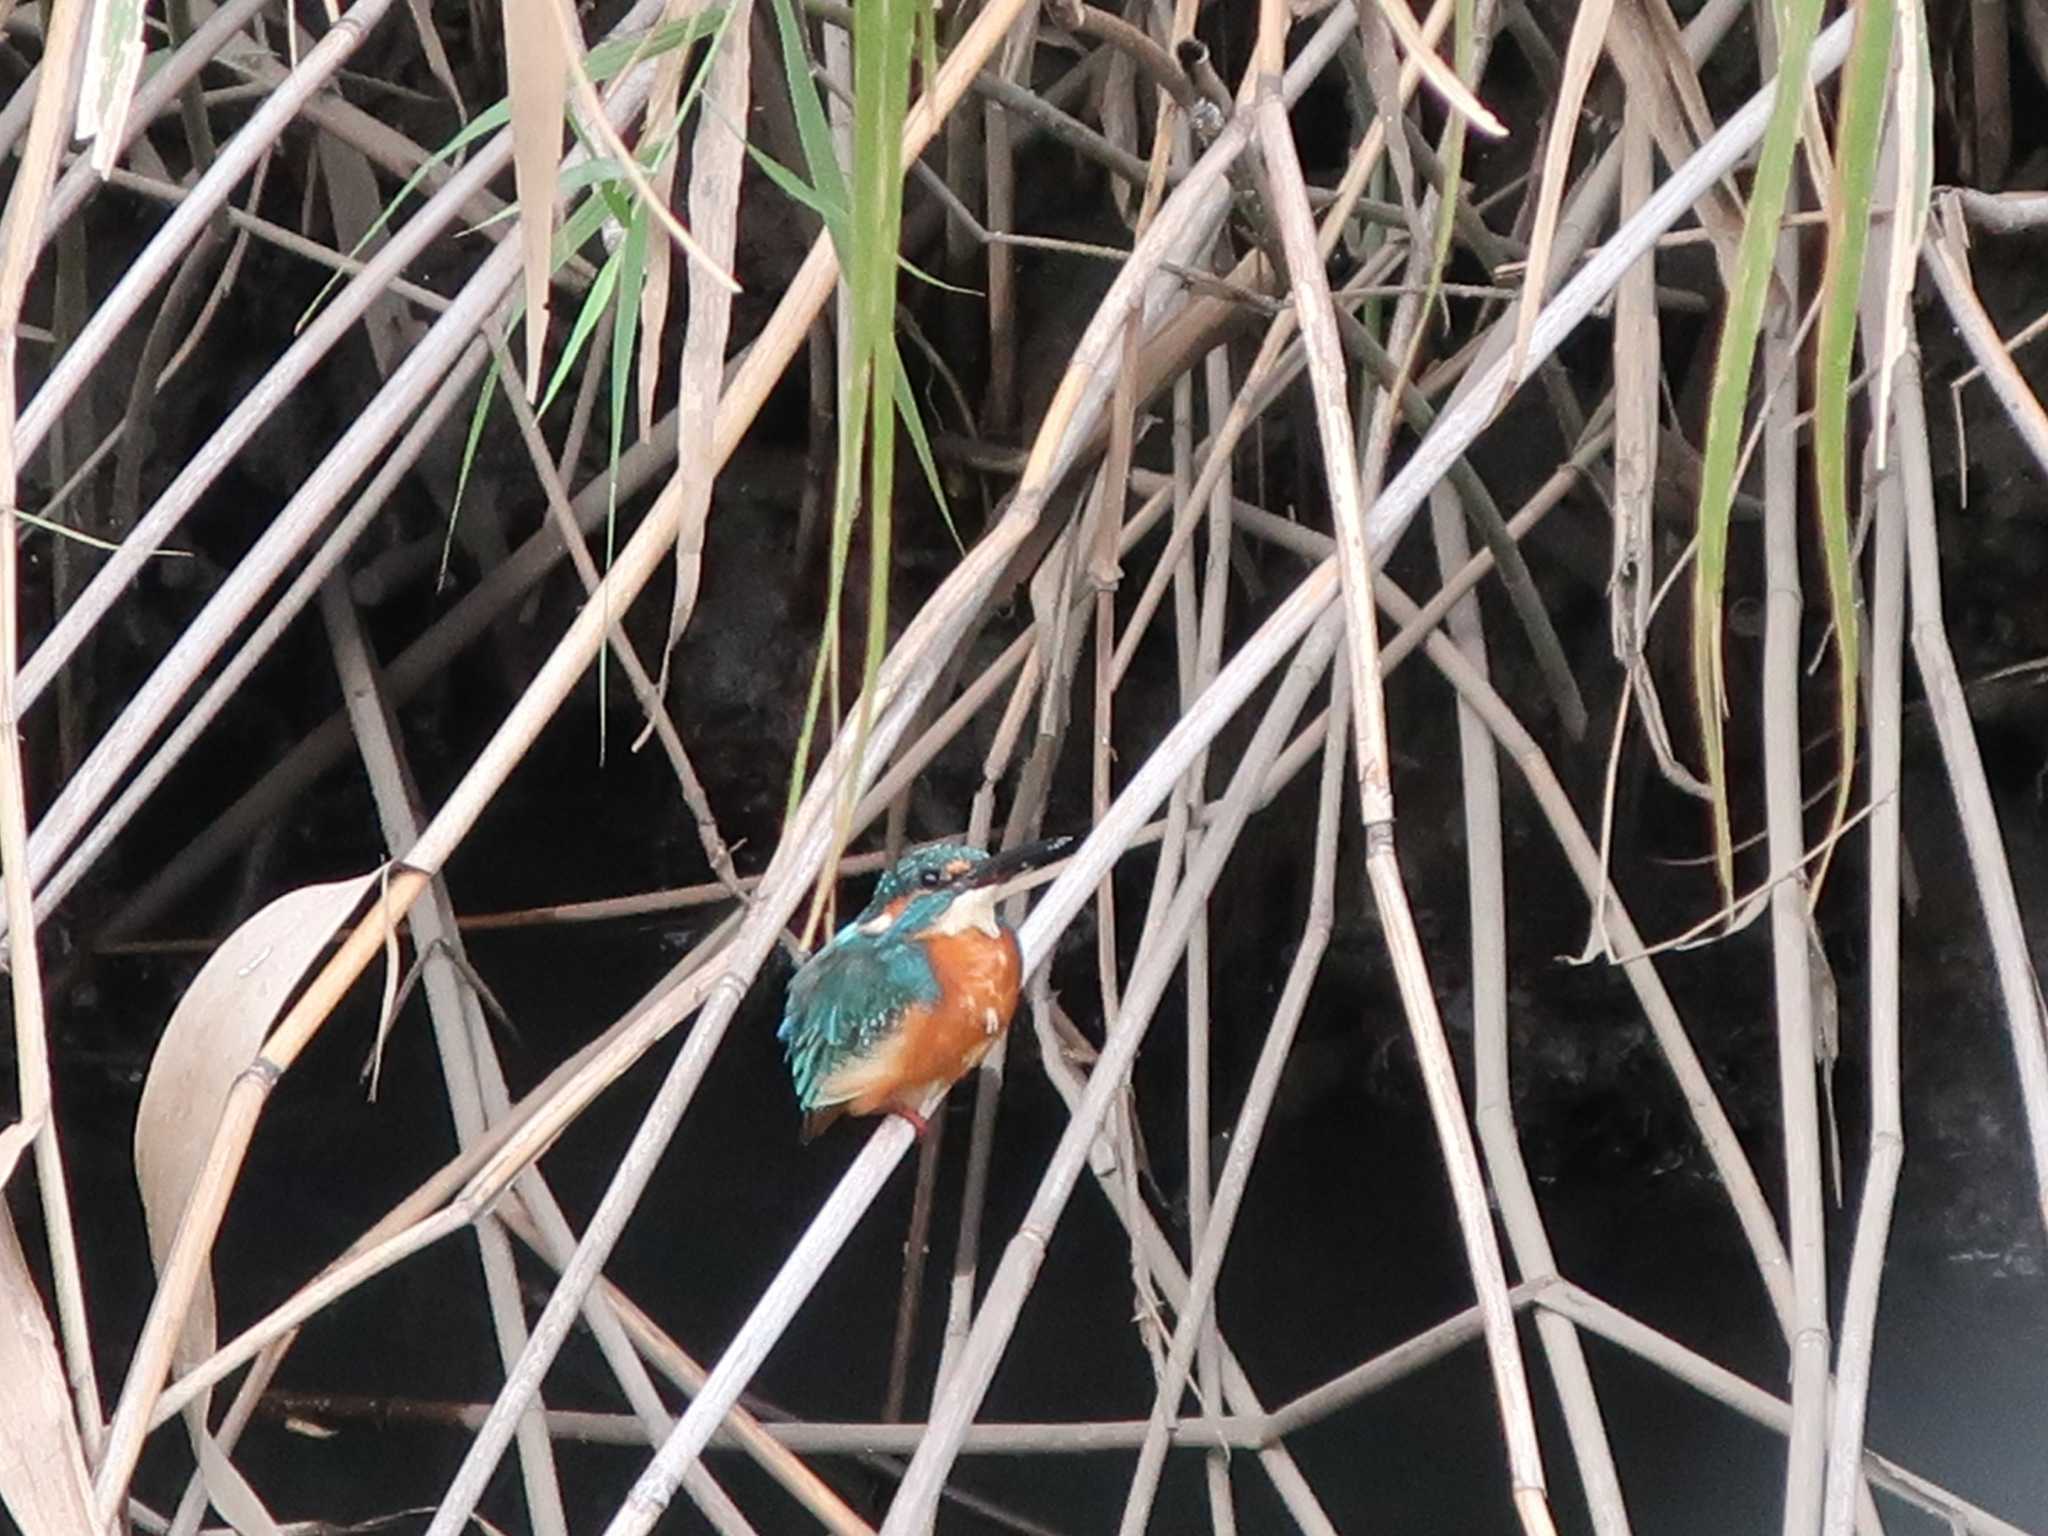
[(43, 1480), (1438, 75), (1118, 114), (1582, 54), (717, 159), (537, 87), (590, 107), (1648, 48), (215, 1034), (654, 284), (437, 56), (357, 207)]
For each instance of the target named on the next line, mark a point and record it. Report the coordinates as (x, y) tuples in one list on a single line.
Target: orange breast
[(978, 981)]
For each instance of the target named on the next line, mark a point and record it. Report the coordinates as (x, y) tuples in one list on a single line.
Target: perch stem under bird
[(909, 997)]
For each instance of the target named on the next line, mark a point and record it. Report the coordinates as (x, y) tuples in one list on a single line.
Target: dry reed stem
[(961, 1395), (1181, 613), (138, 280), (1418, 626), (249, 225), (1185, 224), (1856, 1336), (1455, 428), (1492, 1094), (647, 692), (75, 1441), (999, 182), (752, 376), (2018, 985), (470, 615), (1716, 1134), (813, 1437), (1946, 256), (1315, 314), (902, 683), (1212, 603), (1196, 1326), (179, 1274), (1791, 962), (1138, 1220), (209, 1198), (472, 1179), (1026, 817), (1273, 366), (229, 683), (1752, 1402), (459, 1031), (1233, 1431), (741, 1429), (394, 407), (821, 1240), (363, 1262), (1102, 572)]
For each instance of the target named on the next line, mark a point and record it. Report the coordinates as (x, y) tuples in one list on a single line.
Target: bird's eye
[(931, 879)]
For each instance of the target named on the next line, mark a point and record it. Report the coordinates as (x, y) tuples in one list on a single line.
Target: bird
[(914, 992)]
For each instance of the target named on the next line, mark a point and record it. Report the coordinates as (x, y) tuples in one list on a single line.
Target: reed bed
[(1391, 312)]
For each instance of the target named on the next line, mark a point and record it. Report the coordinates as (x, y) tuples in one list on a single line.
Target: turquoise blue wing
[(847, 1000)]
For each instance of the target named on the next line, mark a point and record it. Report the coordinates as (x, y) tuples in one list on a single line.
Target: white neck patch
[(970, 909)]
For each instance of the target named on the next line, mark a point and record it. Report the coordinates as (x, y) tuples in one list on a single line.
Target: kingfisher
[(911, 995)]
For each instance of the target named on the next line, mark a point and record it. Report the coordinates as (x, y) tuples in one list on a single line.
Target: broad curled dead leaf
[(215, 1034)]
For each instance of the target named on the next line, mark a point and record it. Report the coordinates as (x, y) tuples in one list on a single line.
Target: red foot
[(918, 1123)]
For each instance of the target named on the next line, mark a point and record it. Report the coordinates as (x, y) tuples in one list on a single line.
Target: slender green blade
[(1798, 21), (478, 415), (1866, 80), (587, 316)]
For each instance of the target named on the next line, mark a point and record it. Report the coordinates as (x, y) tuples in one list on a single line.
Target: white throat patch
[(970, 909)]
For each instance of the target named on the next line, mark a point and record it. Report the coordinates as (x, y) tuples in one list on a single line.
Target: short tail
[(817, 1120)]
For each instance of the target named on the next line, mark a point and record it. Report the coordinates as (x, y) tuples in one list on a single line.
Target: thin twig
[(1137, 1220)]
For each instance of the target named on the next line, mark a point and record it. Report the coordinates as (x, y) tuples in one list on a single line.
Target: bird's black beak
[(1001, 868)]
